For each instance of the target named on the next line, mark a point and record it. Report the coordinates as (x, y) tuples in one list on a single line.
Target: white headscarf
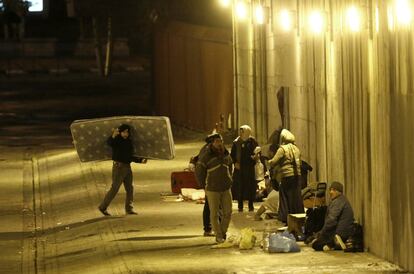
[(247, 131), (286, 137)]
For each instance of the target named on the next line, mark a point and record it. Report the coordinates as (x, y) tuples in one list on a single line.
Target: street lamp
[(403, 12), (241, 10), (259, 15), (285, 20), (353, 19), (225, 3), (316, 22)]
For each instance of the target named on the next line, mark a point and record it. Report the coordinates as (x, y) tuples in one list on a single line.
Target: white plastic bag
[(259, 171), (283, 243)]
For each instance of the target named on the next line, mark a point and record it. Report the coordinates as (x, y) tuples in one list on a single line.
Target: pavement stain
[(157, 238), (74, 253)]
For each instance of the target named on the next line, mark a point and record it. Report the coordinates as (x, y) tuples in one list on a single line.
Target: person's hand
[(115, 132), (237, 165)]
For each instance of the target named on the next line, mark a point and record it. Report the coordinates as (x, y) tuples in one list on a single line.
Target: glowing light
[(241, 10), (403, 12), (390, 18), (285, 20), (35, 6), (353, 19), (259, 15), (316, 22), (225, 3)]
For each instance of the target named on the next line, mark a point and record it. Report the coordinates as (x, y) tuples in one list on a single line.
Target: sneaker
[(220, 240), (131, 212), (339, 242), (104, 212), (312, 242), (209, 233), (327, 248), (251, 209)]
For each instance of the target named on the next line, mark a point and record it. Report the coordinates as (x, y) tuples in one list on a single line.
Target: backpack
[(355, 243), (315, 218)]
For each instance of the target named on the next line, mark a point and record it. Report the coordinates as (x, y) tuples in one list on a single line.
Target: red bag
[(183, 179)]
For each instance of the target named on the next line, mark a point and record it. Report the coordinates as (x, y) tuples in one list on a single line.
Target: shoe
[(131, 212), (104, 212), (220, 240), (251, 209), (240, 209), (327, 248), (209, 233), (339, 242)]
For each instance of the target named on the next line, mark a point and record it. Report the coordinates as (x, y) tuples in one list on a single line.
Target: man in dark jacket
[(206, 210), (338, 221), (122, 155), (213, 173)]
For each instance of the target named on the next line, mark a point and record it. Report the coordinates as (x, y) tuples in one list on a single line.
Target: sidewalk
[(50, 223)]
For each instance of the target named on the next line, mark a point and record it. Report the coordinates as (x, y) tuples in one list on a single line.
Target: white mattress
[(151, 136)]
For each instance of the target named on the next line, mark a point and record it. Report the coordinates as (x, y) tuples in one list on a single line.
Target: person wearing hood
[(242, 153), (206, 209), (213, 172), (287, 164), (122, 156)]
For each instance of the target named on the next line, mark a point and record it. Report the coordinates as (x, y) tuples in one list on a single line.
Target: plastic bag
[(283, 243), (247, 238), (259, 171)]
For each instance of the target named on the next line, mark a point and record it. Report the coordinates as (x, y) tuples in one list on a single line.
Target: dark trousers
[(121, 173), (290, 197), (240, 204), (328, 240), (206, 216)]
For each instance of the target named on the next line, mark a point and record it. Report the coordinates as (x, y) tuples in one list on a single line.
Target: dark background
[(35, 103)]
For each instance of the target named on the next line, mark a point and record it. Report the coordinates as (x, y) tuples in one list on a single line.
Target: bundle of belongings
[(314, 194)]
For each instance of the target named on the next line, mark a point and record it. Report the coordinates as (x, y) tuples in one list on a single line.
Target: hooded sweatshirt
[(213, 170), (287, 157)]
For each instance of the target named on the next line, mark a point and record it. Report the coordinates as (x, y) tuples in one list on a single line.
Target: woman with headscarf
[(287, 164), (244, 180)]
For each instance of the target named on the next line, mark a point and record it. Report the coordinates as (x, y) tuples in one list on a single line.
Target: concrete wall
[(193, 73), (350, 104)]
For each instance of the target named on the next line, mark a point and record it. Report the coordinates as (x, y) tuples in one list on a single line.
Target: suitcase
[(151, 136), (183, 179)]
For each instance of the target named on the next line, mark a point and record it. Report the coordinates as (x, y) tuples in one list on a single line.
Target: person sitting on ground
[(271, 204), (338, 221)]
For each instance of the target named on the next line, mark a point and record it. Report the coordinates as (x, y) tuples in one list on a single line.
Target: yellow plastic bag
[(247, 239)]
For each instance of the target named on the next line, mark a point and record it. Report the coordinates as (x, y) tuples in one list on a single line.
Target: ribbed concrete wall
[(350, 103), (193, 74)]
